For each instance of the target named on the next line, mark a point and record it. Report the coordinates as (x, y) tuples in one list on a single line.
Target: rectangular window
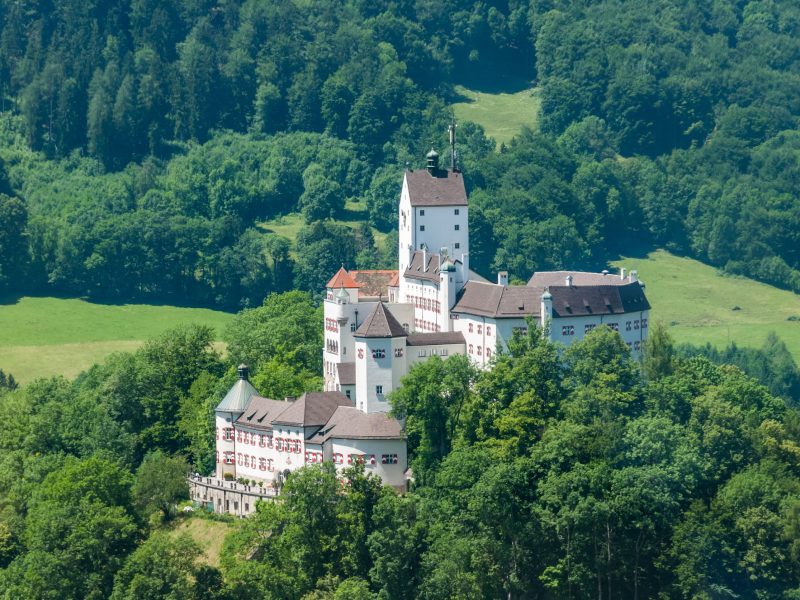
[(644, 323), (229, 434), (458, 245), (379, 353), (422, 353), (458, 227), (568, 330), (470, 349), (352, 326), (398, 353), (614, 326), (636, 324), (379, 390), (456, 211), (388, 459), (480, 329), (488, 330), (422, 227), (588, 327), (470, 327), (422, 212), (347, 393), (627, 325), (480, 350)]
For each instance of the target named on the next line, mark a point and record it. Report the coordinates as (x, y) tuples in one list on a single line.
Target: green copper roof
[(239, 395)]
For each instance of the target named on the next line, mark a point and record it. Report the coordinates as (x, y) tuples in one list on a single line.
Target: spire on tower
[(452, 130)]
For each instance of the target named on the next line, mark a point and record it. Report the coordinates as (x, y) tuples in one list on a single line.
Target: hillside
[(700, 304), (41, 337)]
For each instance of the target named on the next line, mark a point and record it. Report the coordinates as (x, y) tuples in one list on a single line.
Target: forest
[(558, 473), (143, 143)]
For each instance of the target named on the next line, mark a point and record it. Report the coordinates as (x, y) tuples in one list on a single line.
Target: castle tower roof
[(441, 188), (342, 279), (380, 324), (238, 397)]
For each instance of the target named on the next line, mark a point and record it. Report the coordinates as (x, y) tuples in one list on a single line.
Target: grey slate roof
[(350, 423), (416, 268), (496, 301), (590, 294), (435, 338), (260, 412), (444, 188), (380, 324), (237, 397), (347, 373), (584, 300), (312, 409)]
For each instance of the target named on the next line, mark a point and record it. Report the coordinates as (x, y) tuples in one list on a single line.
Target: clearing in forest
[(207, 534), (699, 304), (502, 115), (41, 337)]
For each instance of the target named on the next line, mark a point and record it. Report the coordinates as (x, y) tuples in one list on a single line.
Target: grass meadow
[(206, 533), (699, 304), (40, 337), (502, 115)]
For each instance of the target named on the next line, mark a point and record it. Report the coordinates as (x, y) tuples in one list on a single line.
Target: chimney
[(569, 280), (243, 372), (424, 258), (622, 273), (634, 276), (502, 278)]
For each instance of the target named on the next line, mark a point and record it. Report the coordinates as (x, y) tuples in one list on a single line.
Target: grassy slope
[(208, 534), (40, 337), (501, 115), (698, 303), (289, 225)]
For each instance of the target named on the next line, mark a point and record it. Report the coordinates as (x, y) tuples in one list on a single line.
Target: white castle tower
[(380, 359), (434, 220)]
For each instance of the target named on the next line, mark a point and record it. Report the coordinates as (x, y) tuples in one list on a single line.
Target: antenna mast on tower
[(452, 130)]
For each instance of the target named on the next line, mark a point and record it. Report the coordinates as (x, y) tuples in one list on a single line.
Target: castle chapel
[(378, 324)]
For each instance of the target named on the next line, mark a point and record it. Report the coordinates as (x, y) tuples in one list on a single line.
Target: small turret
[(433, 161), (546, 309), (341, 296)]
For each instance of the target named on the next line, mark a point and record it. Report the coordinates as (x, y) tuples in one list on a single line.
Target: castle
[(378, 324)]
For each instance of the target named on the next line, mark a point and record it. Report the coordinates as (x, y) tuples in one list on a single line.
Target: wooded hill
[(145, 140)]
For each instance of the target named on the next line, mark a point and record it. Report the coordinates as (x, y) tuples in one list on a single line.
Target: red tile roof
[(342, 279), (374, 283)]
